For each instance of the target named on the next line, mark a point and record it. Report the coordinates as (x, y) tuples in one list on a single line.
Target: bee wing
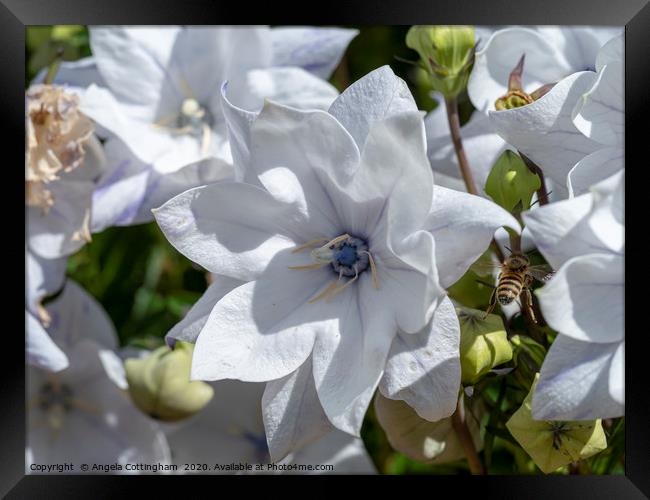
[(484, 268), (542, 272)]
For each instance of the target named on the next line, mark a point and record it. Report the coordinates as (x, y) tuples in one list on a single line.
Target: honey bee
[(516, 278)]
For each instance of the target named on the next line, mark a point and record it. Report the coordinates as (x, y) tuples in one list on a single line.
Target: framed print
[(386, 242)]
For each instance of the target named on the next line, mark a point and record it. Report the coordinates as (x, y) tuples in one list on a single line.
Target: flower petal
[(594, 168), (203, 57), (317, 50), (600, 112), (238, 124), (392, 183), (559, 230), (292, 151), (133, 62), (231, 229), (607, 218), (346, 453), (262, 331), (190, 326), (463, 226), (584, 299), (77, 315), (386, 203), (234, 435), (109, 425), (574, 383), (349, 359), (579, 46), (42, 352), (423, 369), (126, 194), (58, 232), (292, 87), (376, 96), (150, 143), (293, 415), (612, 51), (43, 277), (243, 97), (544, 130), (499, 56)]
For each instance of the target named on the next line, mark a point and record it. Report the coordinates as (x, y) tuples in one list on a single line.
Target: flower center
[(54, 394), (348, 257), (192, 119)]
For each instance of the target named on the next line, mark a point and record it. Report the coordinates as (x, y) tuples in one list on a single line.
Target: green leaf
[(511, 184)]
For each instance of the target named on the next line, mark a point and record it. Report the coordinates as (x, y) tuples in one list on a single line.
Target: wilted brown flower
[(56, 135)]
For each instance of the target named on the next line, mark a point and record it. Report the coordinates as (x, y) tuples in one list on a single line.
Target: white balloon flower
[(342, 247)]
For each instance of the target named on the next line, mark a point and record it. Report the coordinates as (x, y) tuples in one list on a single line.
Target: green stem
[(451, 103), (489, 438), (459, 424), (542, 194), (53, 69), (453, 118)]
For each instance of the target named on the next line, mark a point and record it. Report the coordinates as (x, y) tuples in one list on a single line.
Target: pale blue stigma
[(346, 255), (350, 257)]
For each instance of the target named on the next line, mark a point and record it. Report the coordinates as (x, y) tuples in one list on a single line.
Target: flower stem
[(53, 69), (459, 424), (451, 103), (542, 194)]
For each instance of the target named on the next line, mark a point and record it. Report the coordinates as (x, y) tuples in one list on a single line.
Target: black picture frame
[(634, 14)]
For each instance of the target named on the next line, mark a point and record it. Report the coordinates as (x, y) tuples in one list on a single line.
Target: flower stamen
[(348, 256), (309, 244)]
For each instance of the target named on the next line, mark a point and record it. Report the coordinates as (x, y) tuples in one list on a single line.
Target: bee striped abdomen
[(510, 286)]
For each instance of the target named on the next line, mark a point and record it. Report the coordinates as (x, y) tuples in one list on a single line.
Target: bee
[(516, 278)]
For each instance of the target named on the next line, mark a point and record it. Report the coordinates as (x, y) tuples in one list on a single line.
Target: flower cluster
[(342, 232)]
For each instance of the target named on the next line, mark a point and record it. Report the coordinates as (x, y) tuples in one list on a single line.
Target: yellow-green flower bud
[(447, 54), (160, 385), (483, 344), (511, 184), (424, 441), (552, 443)]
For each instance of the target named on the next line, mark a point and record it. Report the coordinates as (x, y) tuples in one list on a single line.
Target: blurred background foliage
[(146, 286)]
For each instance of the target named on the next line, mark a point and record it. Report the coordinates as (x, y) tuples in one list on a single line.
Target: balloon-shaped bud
[(447, 54), (483, 344), (159, 384), (511, 184), (422, 440)]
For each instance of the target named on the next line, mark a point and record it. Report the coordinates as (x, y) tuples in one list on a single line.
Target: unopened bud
[(159, 384), (447, 54), (422, 440), (510, 183), (483, 344)]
